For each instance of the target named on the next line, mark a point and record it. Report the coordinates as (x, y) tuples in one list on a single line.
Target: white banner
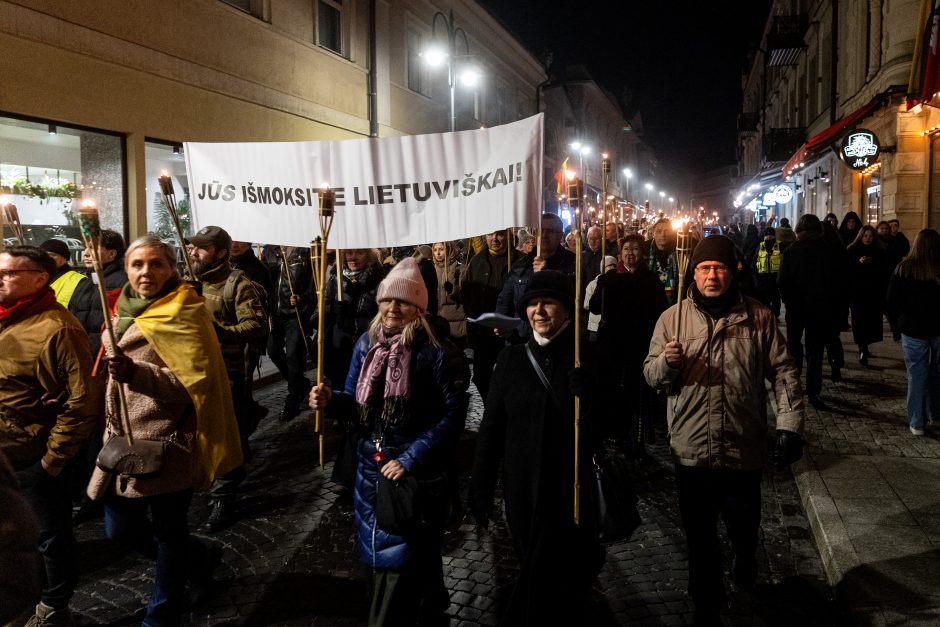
[(395, 191)]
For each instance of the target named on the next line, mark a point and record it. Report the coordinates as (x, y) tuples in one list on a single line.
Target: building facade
[(100, 95), (827, 71)]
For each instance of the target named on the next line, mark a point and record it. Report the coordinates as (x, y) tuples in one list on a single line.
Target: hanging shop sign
[(768, 199), (783, 194), (859, 149)]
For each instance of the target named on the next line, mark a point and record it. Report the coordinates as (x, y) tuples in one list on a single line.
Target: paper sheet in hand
[(496, 321)]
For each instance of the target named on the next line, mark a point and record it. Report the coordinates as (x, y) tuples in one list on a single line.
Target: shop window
[(330, 25), (47, 168), (164, 157)]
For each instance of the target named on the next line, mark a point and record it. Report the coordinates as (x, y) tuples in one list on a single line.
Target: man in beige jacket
[(714, 374)]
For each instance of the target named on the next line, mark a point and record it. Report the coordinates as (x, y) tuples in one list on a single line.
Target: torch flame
[(88, 203)]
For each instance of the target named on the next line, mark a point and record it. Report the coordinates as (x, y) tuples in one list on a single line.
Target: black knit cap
[(56, 246), (715, 248), (550, 284)]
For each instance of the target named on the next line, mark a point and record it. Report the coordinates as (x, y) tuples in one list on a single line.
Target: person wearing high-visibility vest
[(65, 280), (767, 265)]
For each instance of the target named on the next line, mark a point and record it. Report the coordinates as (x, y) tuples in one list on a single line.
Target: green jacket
[(240, 320), (45, 350)]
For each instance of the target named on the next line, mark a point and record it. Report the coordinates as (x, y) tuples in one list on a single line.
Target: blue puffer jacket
[(424, 445)]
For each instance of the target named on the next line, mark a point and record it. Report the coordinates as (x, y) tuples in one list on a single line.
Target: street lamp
[(581, 149), (434, 55), (627, 174)]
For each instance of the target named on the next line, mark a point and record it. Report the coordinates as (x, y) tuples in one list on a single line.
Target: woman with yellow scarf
[(169, 362)]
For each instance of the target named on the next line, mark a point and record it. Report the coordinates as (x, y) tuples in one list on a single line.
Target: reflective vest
[(768, 263), (65, 286)]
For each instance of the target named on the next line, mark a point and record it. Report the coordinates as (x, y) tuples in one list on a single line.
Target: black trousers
[(817, 338), (704, 494), (289, 353), (49, 499)]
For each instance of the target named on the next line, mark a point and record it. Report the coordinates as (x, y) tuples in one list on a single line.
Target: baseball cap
[(214, 235)]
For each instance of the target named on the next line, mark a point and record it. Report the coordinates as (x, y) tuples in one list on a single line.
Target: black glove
[(121, 367), (579, 381), (788, 450), (448, 287)]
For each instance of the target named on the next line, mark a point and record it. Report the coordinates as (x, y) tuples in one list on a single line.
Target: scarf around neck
[(131, 304), (716, 306), (385, 372), (40, 300)]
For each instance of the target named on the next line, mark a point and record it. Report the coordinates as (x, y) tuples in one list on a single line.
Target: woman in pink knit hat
[(406, 395)]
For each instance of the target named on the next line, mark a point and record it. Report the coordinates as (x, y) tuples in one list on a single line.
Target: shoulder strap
[(543, 379)]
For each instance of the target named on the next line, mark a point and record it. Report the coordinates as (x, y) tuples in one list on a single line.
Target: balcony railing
[(785, 41)]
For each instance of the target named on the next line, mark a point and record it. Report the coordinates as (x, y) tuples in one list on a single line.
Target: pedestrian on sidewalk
[(715, 374), (913, 303), (527, 432), (868, 280), (812, 281), (406, 396), (170, 365)]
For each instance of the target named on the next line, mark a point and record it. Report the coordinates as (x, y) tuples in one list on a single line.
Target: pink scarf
[(385, 368)]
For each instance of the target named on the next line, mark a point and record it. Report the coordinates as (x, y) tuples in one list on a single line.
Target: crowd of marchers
[(125, 390)]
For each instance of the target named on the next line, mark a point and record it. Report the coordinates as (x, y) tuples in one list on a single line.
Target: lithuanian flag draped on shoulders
[(179, 328)]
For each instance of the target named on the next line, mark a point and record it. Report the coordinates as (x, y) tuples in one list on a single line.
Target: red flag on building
[(924, 84)]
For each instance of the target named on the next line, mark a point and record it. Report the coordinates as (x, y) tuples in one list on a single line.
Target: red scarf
[(39, 301)]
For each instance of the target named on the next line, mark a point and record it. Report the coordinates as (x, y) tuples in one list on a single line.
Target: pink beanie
[(404, 282)]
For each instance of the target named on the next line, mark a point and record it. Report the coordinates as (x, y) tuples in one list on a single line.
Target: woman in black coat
[(869, 273), (527, 430)]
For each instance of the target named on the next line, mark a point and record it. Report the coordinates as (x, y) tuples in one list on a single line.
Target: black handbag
[(613, 498), (615, 502), (140, 459)]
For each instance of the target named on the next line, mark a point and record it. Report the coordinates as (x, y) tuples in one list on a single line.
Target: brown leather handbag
[(140, 459)]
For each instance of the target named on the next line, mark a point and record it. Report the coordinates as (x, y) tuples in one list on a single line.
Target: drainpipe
[(834, 65), (373, 95)]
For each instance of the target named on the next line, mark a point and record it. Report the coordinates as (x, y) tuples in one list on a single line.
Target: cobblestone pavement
[(289, 560)]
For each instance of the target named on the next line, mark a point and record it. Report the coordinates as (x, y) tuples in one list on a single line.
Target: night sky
[(678, 62)]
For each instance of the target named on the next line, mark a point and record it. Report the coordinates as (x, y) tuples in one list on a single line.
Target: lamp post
[(581, 149), (627, 175), (434, 56)]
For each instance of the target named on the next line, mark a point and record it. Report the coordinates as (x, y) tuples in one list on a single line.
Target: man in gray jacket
[(714, 374)]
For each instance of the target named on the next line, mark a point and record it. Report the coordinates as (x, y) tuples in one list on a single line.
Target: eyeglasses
[(706, 270), (8, 274)]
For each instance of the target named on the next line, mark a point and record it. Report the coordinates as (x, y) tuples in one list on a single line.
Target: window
[(166, 158), (419, 74), (46, 167), (244, 5), (330, 25), (251, 7)]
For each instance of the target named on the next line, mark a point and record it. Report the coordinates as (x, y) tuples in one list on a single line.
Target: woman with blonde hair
[(406, 398), (169, 363), (913, 302)]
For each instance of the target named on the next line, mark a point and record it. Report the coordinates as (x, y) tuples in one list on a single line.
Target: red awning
[(821, 140)]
